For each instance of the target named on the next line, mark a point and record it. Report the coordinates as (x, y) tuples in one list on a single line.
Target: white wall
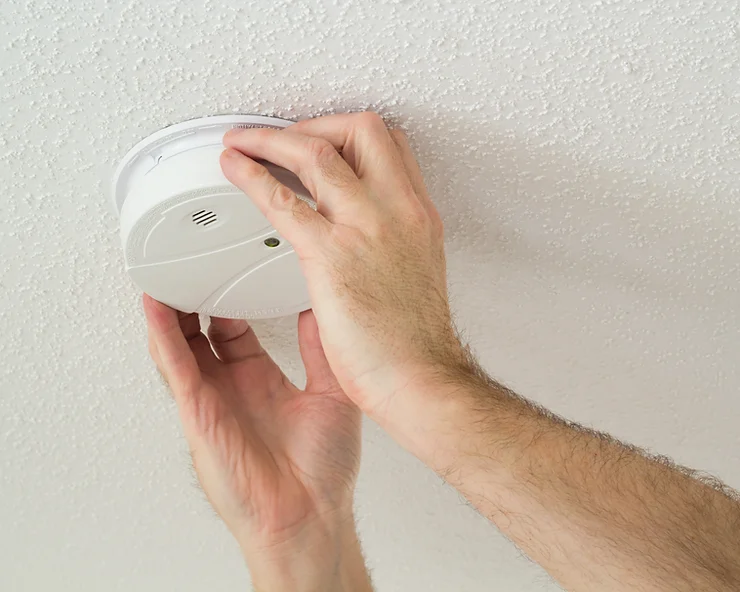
[(585, 156)]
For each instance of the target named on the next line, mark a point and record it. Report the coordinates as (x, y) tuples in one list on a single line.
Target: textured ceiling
[(585, 156)]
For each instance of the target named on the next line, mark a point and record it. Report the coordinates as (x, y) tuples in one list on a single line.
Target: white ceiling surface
[(585, 156)]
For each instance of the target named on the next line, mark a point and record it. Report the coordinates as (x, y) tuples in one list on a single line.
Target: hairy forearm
[(319, 560), (597, 514)]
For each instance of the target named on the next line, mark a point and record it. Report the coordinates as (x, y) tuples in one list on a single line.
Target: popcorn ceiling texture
[(585, 156)]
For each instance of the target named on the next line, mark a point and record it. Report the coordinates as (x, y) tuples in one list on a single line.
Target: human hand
[(278, 464), (372, 254)]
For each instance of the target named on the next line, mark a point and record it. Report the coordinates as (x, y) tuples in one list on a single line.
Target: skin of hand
[(595, 513), (278, 464), (372, 253)]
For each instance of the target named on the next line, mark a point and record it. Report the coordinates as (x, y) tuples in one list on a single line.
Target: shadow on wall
[(508, 200)]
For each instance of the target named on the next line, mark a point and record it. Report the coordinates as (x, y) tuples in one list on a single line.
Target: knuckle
[(281, 197), (424, 218), (319, 151), (348, 240), (370, 120), (262, 134), (251, 170), (330, 165), (377, 228), (255, 169)]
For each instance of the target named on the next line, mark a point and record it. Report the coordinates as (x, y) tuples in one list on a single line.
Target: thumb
[(170, 349), (319, 375)]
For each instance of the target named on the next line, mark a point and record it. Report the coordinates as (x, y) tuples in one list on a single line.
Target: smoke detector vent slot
[(204, 217)]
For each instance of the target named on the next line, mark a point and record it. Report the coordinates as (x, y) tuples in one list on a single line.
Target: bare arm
[(598, 515), (277, 463)]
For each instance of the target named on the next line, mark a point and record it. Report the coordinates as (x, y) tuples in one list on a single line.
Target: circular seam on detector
[(146, 154), (236, 264)]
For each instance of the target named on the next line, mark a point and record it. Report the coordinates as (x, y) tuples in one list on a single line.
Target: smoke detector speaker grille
[(205, 217)]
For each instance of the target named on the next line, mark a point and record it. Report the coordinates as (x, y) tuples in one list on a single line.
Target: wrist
[(445, 415), (322, 558)]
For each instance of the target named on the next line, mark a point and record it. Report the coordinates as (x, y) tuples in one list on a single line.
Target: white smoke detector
[(193, 240)]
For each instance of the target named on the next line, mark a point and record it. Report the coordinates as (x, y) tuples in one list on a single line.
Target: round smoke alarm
[(194, 241)]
